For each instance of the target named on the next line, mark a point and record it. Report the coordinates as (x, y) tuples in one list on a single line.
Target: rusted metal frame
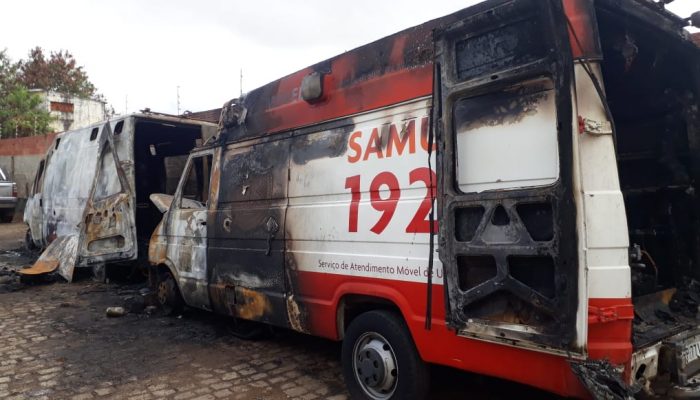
[(194, 293), (176, 202), (559, 65)]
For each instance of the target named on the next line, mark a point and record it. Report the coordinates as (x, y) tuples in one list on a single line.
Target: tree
[(8, 73), (20, 114), (59, 73)]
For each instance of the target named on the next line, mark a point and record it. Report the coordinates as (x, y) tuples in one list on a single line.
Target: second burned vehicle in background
[(89, 201)]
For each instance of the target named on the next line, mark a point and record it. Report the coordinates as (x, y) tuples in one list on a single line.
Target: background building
[(70, 112)]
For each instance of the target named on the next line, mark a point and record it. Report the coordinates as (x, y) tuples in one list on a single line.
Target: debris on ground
[(602, 380), (150, 310), (61, 255), (134, 304), (113, 312)]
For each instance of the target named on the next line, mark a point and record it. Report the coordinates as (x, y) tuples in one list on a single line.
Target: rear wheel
[(168, 294), (380, 360), (29, 242)]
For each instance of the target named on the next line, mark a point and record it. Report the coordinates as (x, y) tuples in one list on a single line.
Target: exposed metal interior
[(651, 83), (160, 155)]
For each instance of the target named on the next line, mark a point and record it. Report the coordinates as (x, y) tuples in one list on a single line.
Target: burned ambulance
[(89, 200), (559, 141)]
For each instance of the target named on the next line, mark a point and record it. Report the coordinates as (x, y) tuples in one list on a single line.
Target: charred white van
[(89, 201)]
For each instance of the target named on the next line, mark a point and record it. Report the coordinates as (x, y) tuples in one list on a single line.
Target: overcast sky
[(139, 52)]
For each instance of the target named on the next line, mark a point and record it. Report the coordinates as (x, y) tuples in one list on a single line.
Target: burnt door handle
[(269, 244)]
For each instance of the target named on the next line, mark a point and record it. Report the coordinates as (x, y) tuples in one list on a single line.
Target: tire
[(168, 294), (29, 242), (99, 273), (380, 360)]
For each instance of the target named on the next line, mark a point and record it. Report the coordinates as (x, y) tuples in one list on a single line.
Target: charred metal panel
[(61, 254), (186, 228), (68, 177), (247, 233), (68, 174), (508, 250), (108, 231)]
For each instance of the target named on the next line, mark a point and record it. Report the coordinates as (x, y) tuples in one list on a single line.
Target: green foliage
[(59, 72), (20, 114), (20, 111), (8, 73)]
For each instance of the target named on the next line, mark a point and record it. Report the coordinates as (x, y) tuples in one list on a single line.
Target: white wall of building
[(84, 111)]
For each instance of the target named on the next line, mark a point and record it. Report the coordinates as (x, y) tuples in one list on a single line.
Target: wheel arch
[(355, 299)]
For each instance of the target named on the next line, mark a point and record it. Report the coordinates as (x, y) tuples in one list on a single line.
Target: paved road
[(57, 343), (12, 236)]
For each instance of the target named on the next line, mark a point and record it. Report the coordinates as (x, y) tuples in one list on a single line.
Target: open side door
[(506, 207), (108, 232)]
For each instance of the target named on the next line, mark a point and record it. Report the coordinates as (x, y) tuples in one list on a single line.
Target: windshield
[(3, 177)]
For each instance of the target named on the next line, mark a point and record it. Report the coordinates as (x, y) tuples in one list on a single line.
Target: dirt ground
[(57, 343)]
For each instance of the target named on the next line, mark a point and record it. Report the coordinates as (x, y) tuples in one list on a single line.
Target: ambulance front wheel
[(380, 360)]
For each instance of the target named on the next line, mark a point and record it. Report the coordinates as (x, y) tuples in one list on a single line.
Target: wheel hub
[(162, 292), (375, 366)]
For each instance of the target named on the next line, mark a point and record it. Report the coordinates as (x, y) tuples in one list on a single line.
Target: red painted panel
[(320, 294), (582, 32), (338, 101), (611, 337)]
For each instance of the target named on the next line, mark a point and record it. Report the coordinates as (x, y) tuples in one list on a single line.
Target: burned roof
[(391, 70), (207, 115), (388, 71)]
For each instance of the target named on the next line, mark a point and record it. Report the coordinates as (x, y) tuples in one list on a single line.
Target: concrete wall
[(71, 112), (20, 158)]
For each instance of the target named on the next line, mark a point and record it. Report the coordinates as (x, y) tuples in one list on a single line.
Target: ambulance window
[(195, 190), (174, 166), (39, 177), (507, 139), (108, 179)]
